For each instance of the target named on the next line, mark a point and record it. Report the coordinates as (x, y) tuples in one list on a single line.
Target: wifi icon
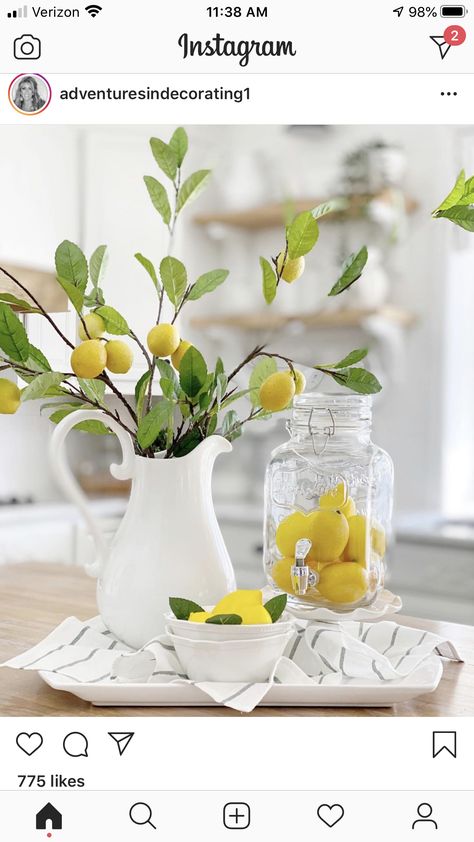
[(93, 10)]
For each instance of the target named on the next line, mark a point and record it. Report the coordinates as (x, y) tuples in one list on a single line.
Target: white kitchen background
[(415, 313)]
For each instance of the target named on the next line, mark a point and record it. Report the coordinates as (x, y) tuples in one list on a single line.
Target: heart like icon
[(330, 814), (29, 743)]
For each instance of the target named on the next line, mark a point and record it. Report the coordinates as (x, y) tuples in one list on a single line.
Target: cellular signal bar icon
[(19, 13)]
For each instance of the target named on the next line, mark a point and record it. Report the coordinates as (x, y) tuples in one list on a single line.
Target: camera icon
[(27, 47)]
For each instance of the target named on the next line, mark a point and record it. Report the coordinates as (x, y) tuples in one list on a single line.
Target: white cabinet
[(118, 213)]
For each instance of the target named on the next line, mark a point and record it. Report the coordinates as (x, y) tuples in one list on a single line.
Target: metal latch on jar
[(302, 577)]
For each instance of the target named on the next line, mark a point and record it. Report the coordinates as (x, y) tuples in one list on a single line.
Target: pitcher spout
[(209, 449)]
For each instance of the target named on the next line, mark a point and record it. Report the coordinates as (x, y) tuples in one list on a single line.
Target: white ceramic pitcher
[(168, 543)]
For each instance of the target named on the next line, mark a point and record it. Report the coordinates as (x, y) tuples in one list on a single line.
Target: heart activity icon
[(330, 814)]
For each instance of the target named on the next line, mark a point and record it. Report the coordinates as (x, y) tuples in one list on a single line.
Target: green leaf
[(188, 442), (182, 608), (207, 283), (179, 144), (13, 338), (13, 301), (231, 427), (140, 392), (167, 371), (358, 380), (114, 322), (467, 197), (93, 389), (98, 265), (148, 266), (225, 620), (351, 359), (41, 384), (263, 369), (302, 235), (159, 198), (37, 360), (333, 206), (174, 278), (276, 606), (454, 196), (192, 372), (462, 216), (219, 369), (235, 397), (192, 187), (76, 297), (164, 156), (351, 271), (154, 422), (72, 272), (269, 281), (97, 428)]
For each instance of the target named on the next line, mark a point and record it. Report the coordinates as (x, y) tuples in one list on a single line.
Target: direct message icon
[(445, 741)]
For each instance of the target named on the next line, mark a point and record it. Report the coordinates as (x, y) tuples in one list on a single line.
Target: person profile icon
[(425, 812)]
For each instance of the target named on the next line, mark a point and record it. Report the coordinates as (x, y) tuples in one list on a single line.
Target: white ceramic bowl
[(248, 661), (211, 631)]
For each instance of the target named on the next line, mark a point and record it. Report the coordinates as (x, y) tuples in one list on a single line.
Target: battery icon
[(453, 11)]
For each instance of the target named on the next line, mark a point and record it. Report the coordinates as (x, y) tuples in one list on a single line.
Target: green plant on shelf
[(196, 401)]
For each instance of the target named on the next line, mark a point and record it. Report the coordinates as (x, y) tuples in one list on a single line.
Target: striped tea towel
[(333, 654)]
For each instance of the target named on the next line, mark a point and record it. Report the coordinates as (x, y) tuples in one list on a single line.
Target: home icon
[(49, 814)]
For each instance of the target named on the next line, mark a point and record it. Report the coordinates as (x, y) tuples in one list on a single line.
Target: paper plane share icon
[(443, 46), (122, 738)]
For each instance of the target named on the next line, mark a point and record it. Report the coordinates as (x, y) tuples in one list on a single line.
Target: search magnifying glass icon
[(141, 813)]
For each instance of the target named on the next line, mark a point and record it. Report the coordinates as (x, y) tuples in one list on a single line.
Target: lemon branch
[(38, 305)]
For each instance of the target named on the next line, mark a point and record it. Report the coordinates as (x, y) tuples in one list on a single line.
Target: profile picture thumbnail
[(30, 93)]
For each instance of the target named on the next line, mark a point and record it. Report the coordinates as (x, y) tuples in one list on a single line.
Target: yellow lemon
[(163, 340), (343, 583), (358, 545), (199, 616), (377, 536), (254, 614), (95, 327), (290, 530), (237, 601), (336, 499), (292, 269), (281, 574), (119, 356), (9, 397), (329, 532), (180, 352), (89, 359), (300, 382), (277, 391)]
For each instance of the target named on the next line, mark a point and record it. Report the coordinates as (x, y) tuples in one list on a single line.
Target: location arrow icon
[(122, 738)]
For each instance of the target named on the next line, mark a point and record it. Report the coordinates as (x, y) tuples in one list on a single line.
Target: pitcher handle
[(68, 483)]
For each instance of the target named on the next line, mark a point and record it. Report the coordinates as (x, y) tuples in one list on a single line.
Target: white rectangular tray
[(353, 694)]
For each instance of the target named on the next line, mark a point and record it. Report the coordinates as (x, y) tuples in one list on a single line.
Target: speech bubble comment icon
[(75, 744)]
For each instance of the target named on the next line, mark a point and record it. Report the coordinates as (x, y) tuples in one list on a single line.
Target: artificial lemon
[(89, 359), (95, 327), (358, 544), (281, 574), (277, 391), (163, 340), (343, 583), (119, 356), (290, 530), (300, 382), (10, 396), (329, 533), (254, 614), (377, 537), (199, 616), (179, 353), (238, 601), (290, 270), (336, 499)]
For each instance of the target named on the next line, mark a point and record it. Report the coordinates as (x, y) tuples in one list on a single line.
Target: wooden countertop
[(34, 598)]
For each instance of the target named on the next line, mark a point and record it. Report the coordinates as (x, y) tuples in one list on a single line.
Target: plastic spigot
[(302, 577)]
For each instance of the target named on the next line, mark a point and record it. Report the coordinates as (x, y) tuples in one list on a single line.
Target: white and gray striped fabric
[(332, 654)]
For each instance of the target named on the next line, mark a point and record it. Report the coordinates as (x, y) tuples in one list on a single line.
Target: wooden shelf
[(274, 214), (319, 319), (43, 285)]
